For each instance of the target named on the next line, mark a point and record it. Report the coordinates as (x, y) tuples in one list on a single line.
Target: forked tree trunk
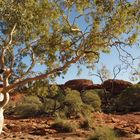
[(2, 105)]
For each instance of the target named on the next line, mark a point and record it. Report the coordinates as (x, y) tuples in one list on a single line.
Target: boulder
[(116, 86), (94, 86), (78, 84)]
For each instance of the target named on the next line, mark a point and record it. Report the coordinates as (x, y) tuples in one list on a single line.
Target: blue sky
[(110, 60)]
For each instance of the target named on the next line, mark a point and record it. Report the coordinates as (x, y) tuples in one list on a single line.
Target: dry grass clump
[(63, 126), (103, 133)]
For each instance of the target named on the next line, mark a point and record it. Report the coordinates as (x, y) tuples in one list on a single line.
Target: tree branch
[(30, 68), (2, 58), (14, 85), (11, 35)]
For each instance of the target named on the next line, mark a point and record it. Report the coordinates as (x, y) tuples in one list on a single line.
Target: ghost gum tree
[(58, 33)]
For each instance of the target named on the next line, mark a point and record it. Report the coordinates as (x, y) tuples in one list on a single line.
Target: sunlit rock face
[(78, 84), (116, 86)]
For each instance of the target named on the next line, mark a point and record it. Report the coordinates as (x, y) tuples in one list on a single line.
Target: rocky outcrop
[(78, 84), (111, 85), (94, 86), (116, 86)]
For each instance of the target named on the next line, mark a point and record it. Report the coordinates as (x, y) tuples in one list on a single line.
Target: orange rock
[(116, 86), (78, 84)]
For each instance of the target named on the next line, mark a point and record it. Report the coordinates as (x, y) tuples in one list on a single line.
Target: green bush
[(50, 106), (99, 92), (92, 99), (30, 106), (103, 133), (10, 108), (52, 100), (128, 100), (86, 110), (63, 126), (73, 103)]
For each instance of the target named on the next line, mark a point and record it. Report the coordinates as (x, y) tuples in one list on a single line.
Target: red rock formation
[(116, 86), (94, 86), (78, 84)]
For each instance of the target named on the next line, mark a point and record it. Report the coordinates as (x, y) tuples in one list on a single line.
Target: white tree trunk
[(3, 101), (1, 120)]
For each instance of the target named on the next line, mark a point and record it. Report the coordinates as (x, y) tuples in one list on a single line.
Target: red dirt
[(39, 128)]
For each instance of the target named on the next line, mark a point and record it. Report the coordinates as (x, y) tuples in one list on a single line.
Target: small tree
[(45, 33), (104, 74)]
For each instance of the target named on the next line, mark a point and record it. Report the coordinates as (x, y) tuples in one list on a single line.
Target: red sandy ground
[(38, 128)]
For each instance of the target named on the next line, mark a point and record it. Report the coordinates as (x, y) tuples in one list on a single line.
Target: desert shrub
[(67, 112), (63, 126), (86, 110), (72, 103), (50, 106), (103, 133), (43, 89), (92, 99), (30, 106), (58, 102), (129, 100), (99, 92), (10, 108), (51, 96), (86, 123)]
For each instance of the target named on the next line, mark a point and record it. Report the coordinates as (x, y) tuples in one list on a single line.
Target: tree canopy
[(57, 33)]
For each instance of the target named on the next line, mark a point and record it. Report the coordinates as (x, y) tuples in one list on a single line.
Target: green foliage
[(103, 133), (129, 99), (30, 106), (97, 91), (42, 88), (92, 99), (30, 29), (86, 110), (58, 102), (50, 105), (63, 126), (51, 96), (72, 103), (10, 108)]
